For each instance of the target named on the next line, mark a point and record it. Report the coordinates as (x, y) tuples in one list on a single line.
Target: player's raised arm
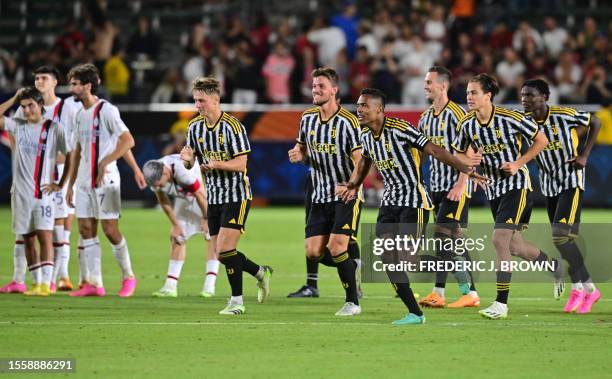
[(7, 105), (445, 157)]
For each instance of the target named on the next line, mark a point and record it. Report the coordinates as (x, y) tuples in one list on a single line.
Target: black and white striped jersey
[(223, 141), (500, 139), (441, 130), (556, 173), (330, 144), (395, 152)]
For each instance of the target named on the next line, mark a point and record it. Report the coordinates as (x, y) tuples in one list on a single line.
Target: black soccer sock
[(353, 249), (346, 272), (326, 259), (543, 257), (312, 272), (405, 293), (248, 265), (233, 263), (571, 253), (469, 259), (503, 286), (443, 255)]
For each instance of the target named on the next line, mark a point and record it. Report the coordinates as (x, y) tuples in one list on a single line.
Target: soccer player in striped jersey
[(220, 144), (168, 177), (497, 133), (100, 138), (450, 190), (393, 145), (329, 136), (37, 143), (562, 169)]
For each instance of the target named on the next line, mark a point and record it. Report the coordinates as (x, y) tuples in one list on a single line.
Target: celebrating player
[(497, 133), (37, 143), (329, 136), (450, 189), (393, 145), (220, 144), (562, 182), (168, 176)]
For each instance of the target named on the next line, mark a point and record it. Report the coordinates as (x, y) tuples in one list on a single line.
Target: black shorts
[(512, 210), (309, 189), (399, 220), (334, 218), (229, 215), (451, 213), (564, 209)]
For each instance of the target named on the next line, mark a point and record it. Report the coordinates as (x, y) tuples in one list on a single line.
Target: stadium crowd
[(268, 56)]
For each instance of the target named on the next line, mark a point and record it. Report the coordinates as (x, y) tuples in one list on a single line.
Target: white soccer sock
[(236, 300), (577, 286), (174, 273), (589, 285), (47, 272), (20, 264), (93, 253), (83, 263), (212, 269), (439, 291), (63, 270), (473, 294), (36, 273), (122, 256)]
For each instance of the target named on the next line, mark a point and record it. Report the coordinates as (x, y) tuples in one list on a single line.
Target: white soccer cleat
[(165, 292), (263, 285), (558, 283), (497, 311), (349, 309), (233, 309)]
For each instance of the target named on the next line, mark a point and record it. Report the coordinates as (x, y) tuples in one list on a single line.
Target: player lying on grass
[(168, 177)]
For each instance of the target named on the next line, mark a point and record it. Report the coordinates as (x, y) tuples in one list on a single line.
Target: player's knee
[(501, 239), (337, 246)]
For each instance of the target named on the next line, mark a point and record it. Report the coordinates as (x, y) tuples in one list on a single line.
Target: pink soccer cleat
[(575, 299), (589, 300), (52, 287), (127, 287), (88, 290), (13, 287)]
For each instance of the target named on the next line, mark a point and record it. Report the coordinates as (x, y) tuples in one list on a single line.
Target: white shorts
[(30, 214), (101, 203), (189, 216)]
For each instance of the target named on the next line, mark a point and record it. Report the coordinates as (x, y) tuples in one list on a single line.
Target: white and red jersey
[(36, 146), (183, 182), (97, 131)]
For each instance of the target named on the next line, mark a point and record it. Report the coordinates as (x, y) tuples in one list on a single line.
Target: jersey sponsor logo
[(554, 145), (387, 164), (494, 148), (216, 155), (325, 148), (438, 140)]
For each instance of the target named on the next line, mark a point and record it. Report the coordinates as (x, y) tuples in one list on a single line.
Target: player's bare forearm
[(202, 203), (6, 106), (131, 161), (539, 143), (361, 171), (357, 158), (445, 157), (124, 144), (67, 169), (166, 206), (76, 160), (238, 164), (594, 127)]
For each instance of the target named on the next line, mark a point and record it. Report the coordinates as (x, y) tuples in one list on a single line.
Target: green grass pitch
[(185, 337)]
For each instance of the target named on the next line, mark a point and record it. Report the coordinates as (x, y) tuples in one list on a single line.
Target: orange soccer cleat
[(465, 301), (433, 300)]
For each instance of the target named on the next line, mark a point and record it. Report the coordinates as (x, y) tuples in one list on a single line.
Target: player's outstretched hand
[(479, 179), (510, 168), (50, 188), (295, 155), (140, 180), (474, 156), (455, 193)]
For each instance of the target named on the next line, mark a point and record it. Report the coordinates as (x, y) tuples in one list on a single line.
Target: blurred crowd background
[(264, 51)]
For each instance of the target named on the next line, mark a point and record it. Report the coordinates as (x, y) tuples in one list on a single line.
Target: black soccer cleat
[(305, 291)]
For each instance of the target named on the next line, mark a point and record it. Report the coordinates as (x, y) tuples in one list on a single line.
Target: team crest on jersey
[(221, 140), (498, 132), (333, 132), (474, 137), (312, 132), (388, 147), (443, 125), (555, 130)]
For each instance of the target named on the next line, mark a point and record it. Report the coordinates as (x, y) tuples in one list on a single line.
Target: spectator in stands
[(171, 89), (587, 35), (524, 33), (328, 39), (71, 42), (501, 36), (104, 33), (236, 32), (359, 72), (403, 47), (554, 37), (510, 75), (11, 74), (283, 32), (178, 133), (144, 41), (434, 31), (246, 80), (276, 71), (414, 67), (383, 26), (196, 64), (259, 35), (593, 88), (367, 38), (348, 22), (605, 118), (117, 75), (568, 75), (385, 69)]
